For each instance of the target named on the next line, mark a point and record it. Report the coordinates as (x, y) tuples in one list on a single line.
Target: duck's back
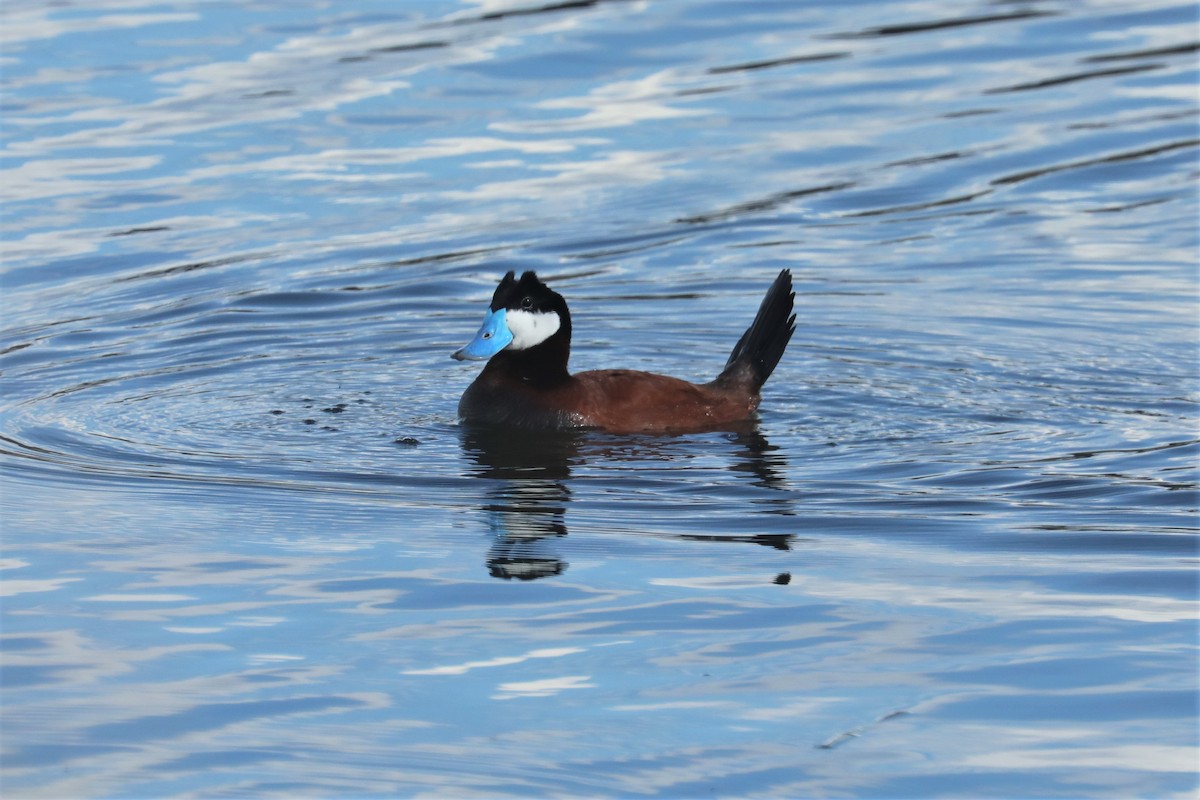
[(625, 401)]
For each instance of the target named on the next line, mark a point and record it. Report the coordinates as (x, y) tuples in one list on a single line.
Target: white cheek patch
[(531, 328)]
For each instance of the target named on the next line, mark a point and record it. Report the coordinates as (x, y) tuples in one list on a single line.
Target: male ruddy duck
[(525, 384)]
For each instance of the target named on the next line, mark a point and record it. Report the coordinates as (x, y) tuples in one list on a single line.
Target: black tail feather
[(758, 351)]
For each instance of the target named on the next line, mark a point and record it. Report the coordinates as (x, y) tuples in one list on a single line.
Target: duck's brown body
[(531, 388), (615, 400)]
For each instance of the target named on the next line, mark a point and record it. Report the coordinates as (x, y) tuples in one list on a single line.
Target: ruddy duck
[(525, 384)]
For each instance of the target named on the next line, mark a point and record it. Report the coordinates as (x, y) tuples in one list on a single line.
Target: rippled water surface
[(249, 551)]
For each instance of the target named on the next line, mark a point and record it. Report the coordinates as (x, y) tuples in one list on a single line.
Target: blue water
[(249, 552)]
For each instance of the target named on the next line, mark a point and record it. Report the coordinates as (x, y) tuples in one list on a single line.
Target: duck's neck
[(543, 365)]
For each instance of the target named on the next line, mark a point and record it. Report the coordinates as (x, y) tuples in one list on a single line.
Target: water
[(249, 552)]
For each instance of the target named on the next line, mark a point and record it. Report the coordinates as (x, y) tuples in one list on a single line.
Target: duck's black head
[(526, 316)]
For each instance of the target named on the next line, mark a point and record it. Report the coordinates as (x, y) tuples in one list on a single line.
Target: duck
[(526, 384)]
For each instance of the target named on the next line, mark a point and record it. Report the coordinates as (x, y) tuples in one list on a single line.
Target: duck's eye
[(526, 302)]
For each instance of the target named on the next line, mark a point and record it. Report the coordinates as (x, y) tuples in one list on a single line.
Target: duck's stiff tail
[(758, 351)]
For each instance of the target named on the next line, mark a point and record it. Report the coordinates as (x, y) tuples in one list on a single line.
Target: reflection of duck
[(528, 502), (529, 488), (527, 337)]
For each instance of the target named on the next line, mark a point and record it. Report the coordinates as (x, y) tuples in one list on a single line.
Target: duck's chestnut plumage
[(526, 337)]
